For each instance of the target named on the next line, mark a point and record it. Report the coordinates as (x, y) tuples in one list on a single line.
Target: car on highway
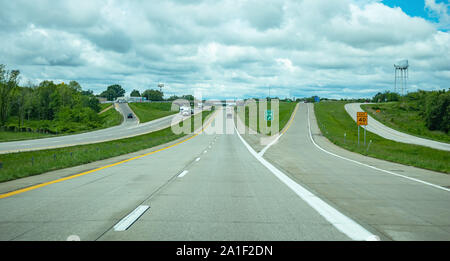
[(185, 110)]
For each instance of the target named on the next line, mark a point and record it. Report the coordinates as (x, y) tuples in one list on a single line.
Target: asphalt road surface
[(391, 134), (128, 128), (213, 186), (390, 204)]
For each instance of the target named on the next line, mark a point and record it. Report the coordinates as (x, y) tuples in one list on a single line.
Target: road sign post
[(365, 135), (358, 134)]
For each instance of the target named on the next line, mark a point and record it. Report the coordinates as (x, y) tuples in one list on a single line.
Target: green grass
[(334, 121), (105, 105), (151, 111), (285, 111), (403, 117), (23, 164), (111, 118), (12, 135)]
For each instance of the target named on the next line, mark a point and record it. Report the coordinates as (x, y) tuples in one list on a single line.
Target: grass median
[(334, 122), (23, 164), (151, 111), (285, 111)]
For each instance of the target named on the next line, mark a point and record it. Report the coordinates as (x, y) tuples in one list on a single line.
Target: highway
[(391, 134), (213, 186), (128, 128)]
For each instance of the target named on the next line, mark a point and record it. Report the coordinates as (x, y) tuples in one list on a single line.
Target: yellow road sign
[(361, 118)]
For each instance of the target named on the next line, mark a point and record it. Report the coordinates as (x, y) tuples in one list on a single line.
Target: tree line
[(57, 107), (47, 106), (156, 95), (115, 91), (433, 106)]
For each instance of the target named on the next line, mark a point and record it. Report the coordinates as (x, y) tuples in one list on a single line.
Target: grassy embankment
[(108, 118), (334, 121), (402, 117), (151, 111), (285, 111), (23, 164)]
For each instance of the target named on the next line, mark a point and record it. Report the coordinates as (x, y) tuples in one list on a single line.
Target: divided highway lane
[(128, 128), (207, 188), (393, 207), (391, 134), (90, 205), (226, 194)]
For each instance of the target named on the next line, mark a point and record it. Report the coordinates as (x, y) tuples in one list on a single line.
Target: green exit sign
[(269, 115)]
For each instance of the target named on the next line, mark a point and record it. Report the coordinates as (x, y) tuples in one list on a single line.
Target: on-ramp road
[(128, 128), (212, 187), (391, 134), (391, 200)]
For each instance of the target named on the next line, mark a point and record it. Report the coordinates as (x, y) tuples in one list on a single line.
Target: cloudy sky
[(228, 49)]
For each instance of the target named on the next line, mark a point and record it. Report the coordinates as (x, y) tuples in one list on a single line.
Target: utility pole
[(160, 85)]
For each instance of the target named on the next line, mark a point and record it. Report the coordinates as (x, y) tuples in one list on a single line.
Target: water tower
[(401, 76)]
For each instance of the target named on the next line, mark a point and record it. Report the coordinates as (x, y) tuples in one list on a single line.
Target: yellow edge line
[(19, 191), (292, 119)]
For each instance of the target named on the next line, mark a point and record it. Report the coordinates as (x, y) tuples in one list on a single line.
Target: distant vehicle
[(185, 110), (121, 101), (192, 111), (200, 105), (130, 116), (229, 112)]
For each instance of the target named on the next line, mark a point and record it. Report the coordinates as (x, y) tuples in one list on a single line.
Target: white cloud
[(225, 48), (441, 11)]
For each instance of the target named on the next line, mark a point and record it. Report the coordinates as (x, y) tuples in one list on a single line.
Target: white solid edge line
[(261, 153), (341, 222), (127, 221), (369, 166), (183, 173)]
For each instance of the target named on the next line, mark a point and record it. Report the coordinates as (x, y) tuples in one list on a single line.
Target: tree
[(88, 93), (48, 99), (173, 97), (8, 84), (153, 95), (75, 86), (188, 97), (91, 102), (135, 93), (112, 92), (23, 102), (386, 97), (437, 111)]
